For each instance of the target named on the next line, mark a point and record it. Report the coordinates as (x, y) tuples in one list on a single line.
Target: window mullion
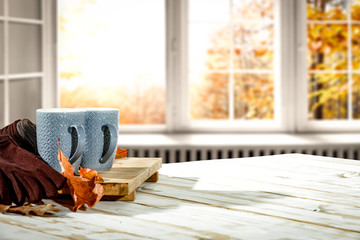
[(6, 65), (174, 53), (231, 65), (286, 94), (301, 71), (349, 65), (49, 79)]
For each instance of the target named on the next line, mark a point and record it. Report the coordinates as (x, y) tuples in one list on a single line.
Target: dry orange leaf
[(4, 208), (121, 153), (85, 191), (90, 174), (38, 210), (67, 170), (82, 190)]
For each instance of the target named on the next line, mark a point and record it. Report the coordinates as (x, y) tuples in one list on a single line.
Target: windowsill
[(240, 140)]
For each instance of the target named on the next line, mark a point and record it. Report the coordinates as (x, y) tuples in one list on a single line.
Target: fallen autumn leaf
[(82, 190)]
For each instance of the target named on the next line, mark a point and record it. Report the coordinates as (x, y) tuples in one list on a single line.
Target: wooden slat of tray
[(126, 175)]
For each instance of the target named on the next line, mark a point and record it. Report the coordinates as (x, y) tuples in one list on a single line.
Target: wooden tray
[(125, 177)]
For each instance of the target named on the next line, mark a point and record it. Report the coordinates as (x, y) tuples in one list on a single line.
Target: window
[(220, 69), (232, 63), (192, 65), (331, 80), (25, 58), (112, 54)]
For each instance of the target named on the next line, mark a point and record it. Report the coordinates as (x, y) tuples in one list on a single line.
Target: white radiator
[(185, 154)]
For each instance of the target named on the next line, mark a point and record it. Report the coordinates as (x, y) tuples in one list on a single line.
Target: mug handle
[(80, 144), (113, 143)]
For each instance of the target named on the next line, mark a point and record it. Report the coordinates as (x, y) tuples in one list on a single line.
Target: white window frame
[(303, 124), (291, 90), (177, 104), (178, 109), (46, 76)]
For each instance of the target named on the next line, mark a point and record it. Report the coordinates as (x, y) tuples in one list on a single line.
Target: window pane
[(253, 46), (355, 10), (215, 11), (253, 9), (243, 42), (356, 96), (25, 98), (257, 34), (2, 113), (1, 7), (209, 47), (2, 61), (25, 9), (328, 96), (333, 56), (110, 57), (327, 46), (25, 43), (327, 10), (254, 96), (253, 58), (355, 39), (209, 96)]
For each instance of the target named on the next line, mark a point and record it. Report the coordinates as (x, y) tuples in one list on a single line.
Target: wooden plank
[(288, 160), (65, 225), (331, 181), (153, 178), (292, 209), (262, 187), (224, 199), (126, 175), (158, 217), (129, 197), (262, 193), (119, 220), (245, 225), (8, 231), (129, 171)]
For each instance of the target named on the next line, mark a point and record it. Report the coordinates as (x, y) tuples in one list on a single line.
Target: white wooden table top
[(289, 196)]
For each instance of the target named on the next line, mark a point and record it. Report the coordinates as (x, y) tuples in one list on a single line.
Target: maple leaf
[(121, 153), (90, 174), (38, 210), (85, 191), (82, 190), (67, 170)]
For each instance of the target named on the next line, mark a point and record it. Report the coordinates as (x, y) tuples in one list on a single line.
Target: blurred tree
[(328, 51), (254, 93), (140, 101), (251, 48)]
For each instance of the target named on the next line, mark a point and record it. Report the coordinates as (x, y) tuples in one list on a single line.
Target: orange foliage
[(138, 104), (146, 107), (38, 209), (82, 190), (90, 174), (121, 153), (253, 93), (328, 50)]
